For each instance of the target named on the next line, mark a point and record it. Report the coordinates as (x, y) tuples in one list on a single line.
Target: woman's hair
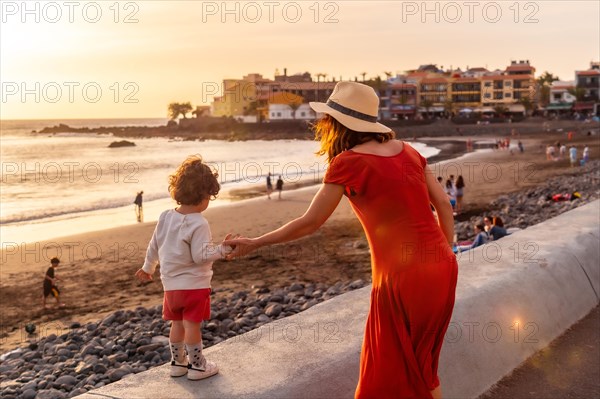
[(448, 183), (460, 183), (480, 227), (497, 221), (336, 138), (193, 182)]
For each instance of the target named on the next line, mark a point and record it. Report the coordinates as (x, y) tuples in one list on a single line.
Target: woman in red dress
[(414, 270)]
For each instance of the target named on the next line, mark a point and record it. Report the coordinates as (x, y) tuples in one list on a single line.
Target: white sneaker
[(208, 370), (178, 370)]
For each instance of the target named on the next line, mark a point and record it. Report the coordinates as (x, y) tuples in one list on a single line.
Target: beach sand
[(97, 268)]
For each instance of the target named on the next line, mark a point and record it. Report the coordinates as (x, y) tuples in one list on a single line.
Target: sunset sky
[(169, 50)]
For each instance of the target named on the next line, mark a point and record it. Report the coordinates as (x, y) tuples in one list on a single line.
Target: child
[(49, 285), (182, 244)]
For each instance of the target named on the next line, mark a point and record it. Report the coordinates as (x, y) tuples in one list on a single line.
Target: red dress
[(414, 272)]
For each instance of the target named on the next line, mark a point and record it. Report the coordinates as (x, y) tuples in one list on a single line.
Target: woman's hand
[(143, 276), (241, 246)]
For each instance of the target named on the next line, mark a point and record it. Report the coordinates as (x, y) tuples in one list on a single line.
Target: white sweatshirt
[(183, 246)]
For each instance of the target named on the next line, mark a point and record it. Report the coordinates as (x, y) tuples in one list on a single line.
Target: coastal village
[(427, 92)]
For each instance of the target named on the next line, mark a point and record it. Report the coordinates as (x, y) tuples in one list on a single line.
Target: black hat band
[(351, 112)]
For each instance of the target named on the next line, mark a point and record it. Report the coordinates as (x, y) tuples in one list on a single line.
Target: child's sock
[(195, 355), (178, 352)]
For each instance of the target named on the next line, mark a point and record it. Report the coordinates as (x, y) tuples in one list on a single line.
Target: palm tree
[(527, 104), (577, 92), (427, 104), (388, 75), (500, 109), (363, 75), (544, 82), (449, 107)]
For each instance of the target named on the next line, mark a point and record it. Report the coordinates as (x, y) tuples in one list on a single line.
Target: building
[(280, 112), (251, 95), (587, 88), (561, 98), (398, 98)]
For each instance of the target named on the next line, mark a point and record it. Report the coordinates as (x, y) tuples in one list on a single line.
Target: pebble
[(131, 341)]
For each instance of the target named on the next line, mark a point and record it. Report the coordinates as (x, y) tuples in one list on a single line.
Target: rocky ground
[(531, 206), (95, 354)]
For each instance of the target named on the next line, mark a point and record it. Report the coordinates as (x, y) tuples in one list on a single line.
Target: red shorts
[(190, 305)]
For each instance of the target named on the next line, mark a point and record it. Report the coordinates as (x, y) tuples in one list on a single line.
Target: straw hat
[(355, 106)]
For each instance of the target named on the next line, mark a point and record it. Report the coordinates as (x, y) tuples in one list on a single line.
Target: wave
[(74, 211)]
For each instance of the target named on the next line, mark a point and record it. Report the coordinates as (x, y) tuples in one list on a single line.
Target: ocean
[(66, 183)]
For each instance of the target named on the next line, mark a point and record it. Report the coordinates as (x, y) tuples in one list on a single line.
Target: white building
[(559, 92), (280, 112)]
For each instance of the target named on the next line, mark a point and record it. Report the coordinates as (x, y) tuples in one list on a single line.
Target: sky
[(130, 59)]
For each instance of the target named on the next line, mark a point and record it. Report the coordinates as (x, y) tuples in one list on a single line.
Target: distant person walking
[(391, 189), (573, 155), (50, 284), (139, 211), (459, 191), (586, 154), (521, 148), (269, 186), (279, 186)]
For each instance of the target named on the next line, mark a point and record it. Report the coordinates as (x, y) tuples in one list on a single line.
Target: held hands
[(240, 246), (143, 276)]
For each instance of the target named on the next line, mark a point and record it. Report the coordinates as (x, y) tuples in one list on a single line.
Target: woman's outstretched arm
[(439, 200), (322, 206)]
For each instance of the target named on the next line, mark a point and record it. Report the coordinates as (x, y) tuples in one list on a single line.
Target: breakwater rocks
[(531, 206), (131, 341)]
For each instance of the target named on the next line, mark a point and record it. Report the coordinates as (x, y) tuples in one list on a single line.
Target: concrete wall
[(514, 296)]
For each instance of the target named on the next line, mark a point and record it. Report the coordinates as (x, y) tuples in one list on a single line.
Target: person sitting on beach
[(50, 284), (182, 244), (497, 230), (390, 187), (481, 236)]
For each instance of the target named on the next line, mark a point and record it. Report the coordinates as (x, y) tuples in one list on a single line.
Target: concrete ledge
[(514, 296)]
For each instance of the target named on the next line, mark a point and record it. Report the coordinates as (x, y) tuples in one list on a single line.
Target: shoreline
[(106, 218)]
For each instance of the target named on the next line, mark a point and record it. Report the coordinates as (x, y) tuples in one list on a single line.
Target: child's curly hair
[(193, 182)]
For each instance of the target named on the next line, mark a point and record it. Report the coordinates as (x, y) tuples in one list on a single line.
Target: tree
[(427, 104), (176, 109), (527, 104), (500, 109), (449, 107), (388, 75), (578, 92), (363, 75), (543, 83)]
